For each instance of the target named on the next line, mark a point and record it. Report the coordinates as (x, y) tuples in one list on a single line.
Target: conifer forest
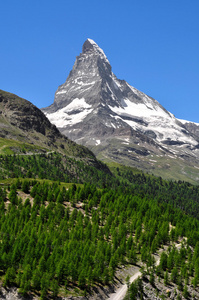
[(67, 226)]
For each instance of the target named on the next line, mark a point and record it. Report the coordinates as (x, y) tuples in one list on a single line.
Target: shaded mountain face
[(23, 122), (118, 122), (19, 114)]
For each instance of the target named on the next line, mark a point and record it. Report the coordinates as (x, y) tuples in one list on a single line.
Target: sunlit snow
[(135, 108), (185, 121), (61, 92), (62, 118), (159, 121)]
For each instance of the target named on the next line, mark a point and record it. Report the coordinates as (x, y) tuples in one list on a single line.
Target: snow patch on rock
[(72, 114)]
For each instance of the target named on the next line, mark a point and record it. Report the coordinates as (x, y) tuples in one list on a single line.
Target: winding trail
[(121, 292)]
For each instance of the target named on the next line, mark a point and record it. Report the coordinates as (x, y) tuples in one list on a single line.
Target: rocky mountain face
[(119, 123), (24, 123)]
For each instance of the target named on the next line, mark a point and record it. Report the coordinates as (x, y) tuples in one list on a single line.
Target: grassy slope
[(164, 166)]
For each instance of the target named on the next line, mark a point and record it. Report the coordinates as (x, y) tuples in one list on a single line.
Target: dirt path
[(121, 292)]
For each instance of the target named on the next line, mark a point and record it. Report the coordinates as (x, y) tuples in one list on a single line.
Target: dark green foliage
[(53, 166), (185, 292), (57, 167), (179, 194), (13, 194), (166, 278), (163, 261), (135, 291), (47, 243), (9, 276), (60, 244), (25, 186)]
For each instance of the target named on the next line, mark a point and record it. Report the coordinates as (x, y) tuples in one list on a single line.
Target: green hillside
[(70, 225), (60, 239)]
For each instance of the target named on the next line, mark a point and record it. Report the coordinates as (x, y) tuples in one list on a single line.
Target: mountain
[(120, 123), (60, 240), (25, 128)]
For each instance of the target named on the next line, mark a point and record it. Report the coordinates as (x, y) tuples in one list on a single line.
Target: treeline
[(58, 238), (56, 167), (179, 194)]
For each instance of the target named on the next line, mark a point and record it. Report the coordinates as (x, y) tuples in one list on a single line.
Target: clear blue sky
[(152, 44)]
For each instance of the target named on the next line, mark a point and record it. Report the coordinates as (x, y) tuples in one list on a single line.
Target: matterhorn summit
[(117, 121)]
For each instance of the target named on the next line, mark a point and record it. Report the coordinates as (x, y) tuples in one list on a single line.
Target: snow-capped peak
[(93, 107)]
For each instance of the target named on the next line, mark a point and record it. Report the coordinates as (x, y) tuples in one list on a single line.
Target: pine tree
[(166, 278), (185, 292), (36, 278), (9, 277), (25, 186), (55, 288)]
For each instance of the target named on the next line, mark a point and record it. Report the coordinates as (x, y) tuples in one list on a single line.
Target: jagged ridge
[(94, 108)]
